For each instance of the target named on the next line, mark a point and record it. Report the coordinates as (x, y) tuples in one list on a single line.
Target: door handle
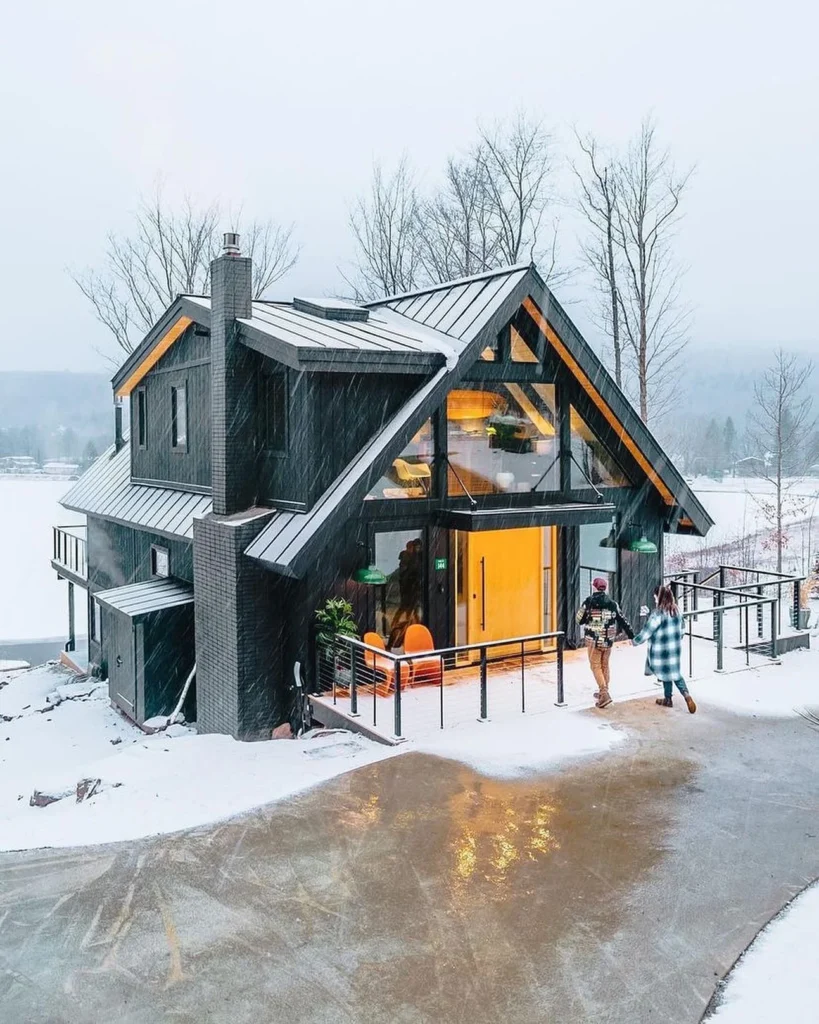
[(483, 594), (119, 661)]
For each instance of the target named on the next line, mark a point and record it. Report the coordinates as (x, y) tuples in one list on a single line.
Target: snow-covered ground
[(33, 602), (176, 779), (735, 505), (776, 979)]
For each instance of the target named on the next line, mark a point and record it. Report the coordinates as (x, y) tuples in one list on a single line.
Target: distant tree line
[(64, 443)]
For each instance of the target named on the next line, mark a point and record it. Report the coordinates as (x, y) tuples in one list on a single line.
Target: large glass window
[(502, 438), (598, 556), (591, 462), (410, 475), (399, 554)]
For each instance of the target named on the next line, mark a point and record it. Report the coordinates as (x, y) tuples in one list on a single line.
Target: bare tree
[(168, 253), (489, 211), (597, 201), (779, 425), (518, 166), (386, 226), (459, 236), (653, 319)]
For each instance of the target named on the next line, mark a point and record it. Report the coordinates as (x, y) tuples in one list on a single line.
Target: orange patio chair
[(425, 671), (382, 669)]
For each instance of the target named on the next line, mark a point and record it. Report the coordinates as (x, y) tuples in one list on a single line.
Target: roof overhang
[(136, 600), (559, 514), (169, 328)]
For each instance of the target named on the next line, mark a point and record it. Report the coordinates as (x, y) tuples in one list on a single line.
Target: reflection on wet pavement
[(416, 890)]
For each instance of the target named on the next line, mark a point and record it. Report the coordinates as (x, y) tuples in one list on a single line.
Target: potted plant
[(333, 619)]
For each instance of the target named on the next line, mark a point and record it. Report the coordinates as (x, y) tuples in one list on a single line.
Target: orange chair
[(425, 671), (381, 667)]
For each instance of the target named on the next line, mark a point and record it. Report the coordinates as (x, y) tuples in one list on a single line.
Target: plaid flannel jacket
[(664, 634)]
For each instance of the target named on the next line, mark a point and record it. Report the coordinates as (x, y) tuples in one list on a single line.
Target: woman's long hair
[(665, 601)]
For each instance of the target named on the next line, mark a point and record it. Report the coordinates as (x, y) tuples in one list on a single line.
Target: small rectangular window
[(96, 621), (160, 561), (179, 417), (275, 413), (141, 418)]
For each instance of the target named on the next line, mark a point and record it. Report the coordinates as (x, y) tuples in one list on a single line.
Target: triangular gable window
[(591, 461), (512, 348), (519, 350)]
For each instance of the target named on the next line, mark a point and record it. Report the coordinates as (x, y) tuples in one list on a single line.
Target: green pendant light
[(371, 576), (643, 546)]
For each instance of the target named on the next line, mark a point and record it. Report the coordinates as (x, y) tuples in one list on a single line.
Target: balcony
[(69, 556)]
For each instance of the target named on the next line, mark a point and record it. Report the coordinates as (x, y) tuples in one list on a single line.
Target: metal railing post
[(796, 604), (484, 694), (397, 701), (774, 632), (719, 624), (441, 687), (353, 686), (522, 679), (759, 614), (561, 697), (747, 638)]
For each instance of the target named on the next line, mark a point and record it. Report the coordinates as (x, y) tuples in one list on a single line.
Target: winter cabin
[(457, 457)]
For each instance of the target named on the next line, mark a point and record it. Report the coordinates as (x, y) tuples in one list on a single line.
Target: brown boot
[(689, 700), (603, 699), (664, 702)]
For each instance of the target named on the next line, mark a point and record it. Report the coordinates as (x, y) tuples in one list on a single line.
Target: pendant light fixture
[(643, 546), (371, 576)]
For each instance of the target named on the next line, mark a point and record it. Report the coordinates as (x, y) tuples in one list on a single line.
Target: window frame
[(176, 445), (95, 627), (158, 550), (270, 381), (141, 415)]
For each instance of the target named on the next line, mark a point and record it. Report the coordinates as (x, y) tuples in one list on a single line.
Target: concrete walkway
[(617, 890)]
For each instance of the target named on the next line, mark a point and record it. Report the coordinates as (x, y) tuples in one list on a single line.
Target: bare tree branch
[(168, 253)]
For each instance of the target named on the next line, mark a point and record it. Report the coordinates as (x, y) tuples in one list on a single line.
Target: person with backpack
[(664, 632), (602, 621)]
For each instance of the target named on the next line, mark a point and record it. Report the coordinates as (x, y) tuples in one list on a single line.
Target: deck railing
[(70, 549), (740, 584), (350, 669)]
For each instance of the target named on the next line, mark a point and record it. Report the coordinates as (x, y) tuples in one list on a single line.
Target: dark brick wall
[(240, 684), (233, 388)]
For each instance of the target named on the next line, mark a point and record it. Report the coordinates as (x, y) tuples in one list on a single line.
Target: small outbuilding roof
[(138, 599)]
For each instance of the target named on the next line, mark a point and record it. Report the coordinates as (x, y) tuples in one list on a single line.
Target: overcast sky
[(280, 108)]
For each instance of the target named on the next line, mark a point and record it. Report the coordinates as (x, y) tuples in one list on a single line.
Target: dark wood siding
[(118, 555), (185, 363), (330, 418)]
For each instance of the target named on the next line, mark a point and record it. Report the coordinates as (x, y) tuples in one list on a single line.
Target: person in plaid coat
[(664, 633)]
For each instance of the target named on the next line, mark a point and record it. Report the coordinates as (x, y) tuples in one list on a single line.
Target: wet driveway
[(618, 889)]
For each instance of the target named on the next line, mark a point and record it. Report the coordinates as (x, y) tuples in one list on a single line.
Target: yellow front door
[(504, 584)]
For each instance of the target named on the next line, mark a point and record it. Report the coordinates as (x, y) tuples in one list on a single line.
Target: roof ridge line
[(483, 276)]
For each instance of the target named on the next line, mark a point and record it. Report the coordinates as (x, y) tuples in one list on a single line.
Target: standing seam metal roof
[(105, 490), (137, 599)]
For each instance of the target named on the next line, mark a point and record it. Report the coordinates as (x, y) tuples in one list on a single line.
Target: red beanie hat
[(599, 583)]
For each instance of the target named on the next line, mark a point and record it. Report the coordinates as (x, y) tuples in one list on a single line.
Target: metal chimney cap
[(230, 245)]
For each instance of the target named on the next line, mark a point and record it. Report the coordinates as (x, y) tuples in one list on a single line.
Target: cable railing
[(367, 679)]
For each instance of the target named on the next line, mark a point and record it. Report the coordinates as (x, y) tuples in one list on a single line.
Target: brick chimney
[(232, 391)]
